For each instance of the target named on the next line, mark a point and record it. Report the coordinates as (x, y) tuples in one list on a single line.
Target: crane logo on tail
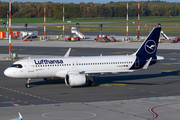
[(150, 46)]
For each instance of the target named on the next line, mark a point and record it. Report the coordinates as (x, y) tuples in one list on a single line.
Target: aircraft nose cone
[(7, 73)]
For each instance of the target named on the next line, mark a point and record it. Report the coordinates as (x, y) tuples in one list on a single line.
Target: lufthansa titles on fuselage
[(48, 61)]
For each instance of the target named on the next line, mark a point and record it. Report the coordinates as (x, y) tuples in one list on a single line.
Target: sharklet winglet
[(147, 64), (67, 53), (20, 116)]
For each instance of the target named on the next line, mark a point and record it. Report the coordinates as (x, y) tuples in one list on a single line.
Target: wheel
[(27, 85), (92, 83)]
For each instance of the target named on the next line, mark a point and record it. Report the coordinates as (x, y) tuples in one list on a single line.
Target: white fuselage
[(78, 70), (58, 67)]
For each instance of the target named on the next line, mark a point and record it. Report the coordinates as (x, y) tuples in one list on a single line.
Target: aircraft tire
[(27, 85), (92, 83)]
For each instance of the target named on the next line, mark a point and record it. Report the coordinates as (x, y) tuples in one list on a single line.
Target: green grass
[(119, 29), (75, 20), (4, 29), (113, 19), (146, 23), (106, 29), (29, 20)]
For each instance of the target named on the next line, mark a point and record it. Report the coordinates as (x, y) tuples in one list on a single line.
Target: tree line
[(72, 10)]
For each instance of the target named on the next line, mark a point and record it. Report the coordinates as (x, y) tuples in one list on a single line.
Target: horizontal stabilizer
[(160, 58)]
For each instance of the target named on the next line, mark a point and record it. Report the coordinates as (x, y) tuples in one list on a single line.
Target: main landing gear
[(92, 83), (27, 83)]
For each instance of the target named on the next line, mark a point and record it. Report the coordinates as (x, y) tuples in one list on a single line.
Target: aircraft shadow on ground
[(124, 79), (42, 82)]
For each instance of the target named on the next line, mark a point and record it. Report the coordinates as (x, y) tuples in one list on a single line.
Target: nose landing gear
[(27, 83)]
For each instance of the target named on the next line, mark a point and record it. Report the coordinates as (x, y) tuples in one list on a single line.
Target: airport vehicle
[(101, 38), (113, 39), (104, 39), (74, 38), (78, 71), (176, 39), (164, 36), (77, 32)]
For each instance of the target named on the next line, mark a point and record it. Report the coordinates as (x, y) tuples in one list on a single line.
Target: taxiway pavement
[(144, 95)]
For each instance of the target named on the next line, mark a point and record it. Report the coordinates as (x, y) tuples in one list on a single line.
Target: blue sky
[(78, 1)]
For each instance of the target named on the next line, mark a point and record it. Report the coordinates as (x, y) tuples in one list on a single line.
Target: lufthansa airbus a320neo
[(78, 71)]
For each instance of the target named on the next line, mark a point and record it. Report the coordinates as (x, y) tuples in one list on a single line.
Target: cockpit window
[(17, 65)]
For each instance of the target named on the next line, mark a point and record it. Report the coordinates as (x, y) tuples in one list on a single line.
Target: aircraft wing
[(67, 53), (19, 118), (117, 71), (108, 71)]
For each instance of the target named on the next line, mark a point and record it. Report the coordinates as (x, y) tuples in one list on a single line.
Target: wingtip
[(67, 53), (20, 116)]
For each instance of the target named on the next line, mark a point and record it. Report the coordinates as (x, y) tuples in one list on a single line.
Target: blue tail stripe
[(149, 47), (147, 50)]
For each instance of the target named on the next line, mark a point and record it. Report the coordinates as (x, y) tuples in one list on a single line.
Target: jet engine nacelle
[(52, 79), (75, 79)]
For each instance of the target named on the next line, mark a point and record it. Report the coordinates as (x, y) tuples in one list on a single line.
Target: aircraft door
[(30, 66), (137, 62), (75, 65)]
